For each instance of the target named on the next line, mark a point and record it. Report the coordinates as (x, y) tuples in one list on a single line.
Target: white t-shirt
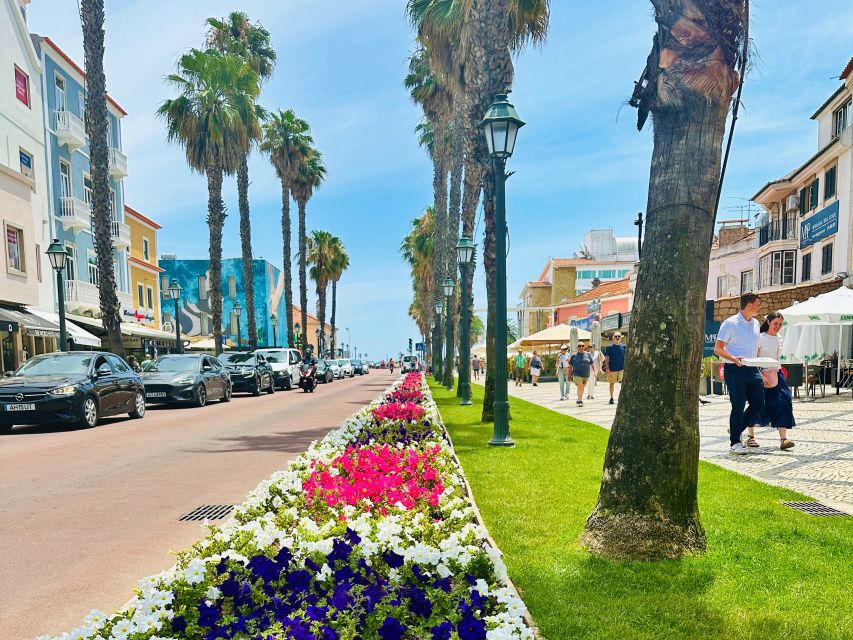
[(564, 361), (769, 346)]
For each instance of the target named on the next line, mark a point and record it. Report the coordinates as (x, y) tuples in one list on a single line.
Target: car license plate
[(156, 394), (26, 406)]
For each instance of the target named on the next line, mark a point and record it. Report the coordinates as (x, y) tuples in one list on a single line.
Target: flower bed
[(369, 534)]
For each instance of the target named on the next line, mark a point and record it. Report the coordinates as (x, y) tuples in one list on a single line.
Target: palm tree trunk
[(215, 221), (303, 284), (439, 259), (454, 213), (321, 312), (495, 354), (332, 331), (246, 246), (286, 261), (92, 17), (647, 506)]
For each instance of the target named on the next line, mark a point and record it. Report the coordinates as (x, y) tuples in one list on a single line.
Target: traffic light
[(410, 345)]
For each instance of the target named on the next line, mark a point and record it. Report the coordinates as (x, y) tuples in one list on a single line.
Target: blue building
[(70, 185), (195, 316)]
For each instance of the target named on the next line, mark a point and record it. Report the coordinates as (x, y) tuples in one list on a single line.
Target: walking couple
[(765, 390)]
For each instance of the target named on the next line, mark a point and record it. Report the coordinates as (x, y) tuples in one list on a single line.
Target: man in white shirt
[(737, 339), (563, 372)]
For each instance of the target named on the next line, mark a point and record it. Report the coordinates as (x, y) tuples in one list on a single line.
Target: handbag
[(770, 377)]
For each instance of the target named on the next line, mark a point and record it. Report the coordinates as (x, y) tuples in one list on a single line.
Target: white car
[(347, 370), (285, 365), (336, 369), (410, 363)]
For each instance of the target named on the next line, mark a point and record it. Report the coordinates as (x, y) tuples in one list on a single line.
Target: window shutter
[(829, 184), (802, 202), (813, 194)]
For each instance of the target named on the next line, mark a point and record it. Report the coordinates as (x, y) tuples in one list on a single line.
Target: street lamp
[(296, 335), (449, 288), (500, 126), (238, 310), (274, 324), (349, 342), (319, 345), (439, 365), (465, 250), (58, 256), (174, 291)]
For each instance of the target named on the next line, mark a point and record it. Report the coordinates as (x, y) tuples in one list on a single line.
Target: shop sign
[(821, 225), (138, 314), (846, 318), (593, 306), (8, 326), (712, 327), (22, 86), (608, 323)]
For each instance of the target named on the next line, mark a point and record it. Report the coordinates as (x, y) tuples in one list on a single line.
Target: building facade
[(731, 269), (145, 273)]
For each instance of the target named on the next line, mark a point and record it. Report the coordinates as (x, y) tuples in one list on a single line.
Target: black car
[(187, 378), (358, 367), (70, 387), (249, 372), (324, 371)]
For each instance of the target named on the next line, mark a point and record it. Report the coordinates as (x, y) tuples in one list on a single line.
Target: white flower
[(81, 633), (95, 618), (122, 629), (194, 573), (482, 586), (212, 593)]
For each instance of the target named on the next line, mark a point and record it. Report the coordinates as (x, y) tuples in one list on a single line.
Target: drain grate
[(209, 511), (815, 509)]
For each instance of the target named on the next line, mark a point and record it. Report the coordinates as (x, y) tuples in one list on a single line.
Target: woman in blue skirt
[(778, 407)]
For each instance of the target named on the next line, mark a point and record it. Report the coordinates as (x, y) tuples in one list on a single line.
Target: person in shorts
[(580, 367), (520, 364), (475, 367), (614, 363), (596, 367), (535, 368), (563, 372)]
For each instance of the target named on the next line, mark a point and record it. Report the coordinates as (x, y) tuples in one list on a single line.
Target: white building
[(731, 269)]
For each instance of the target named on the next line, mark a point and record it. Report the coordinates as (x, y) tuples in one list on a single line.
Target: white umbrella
[(596, 334), (573, 338), (835, 306)]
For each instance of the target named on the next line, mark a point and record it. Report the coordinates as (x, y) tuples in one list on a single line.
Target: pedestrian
[(614, 363), (596, 368), (535, 368), (580, 366), (563, 372), (148, 357), (475, 366), (134, 363), (737, 339), (520, 363), (778, 403), (391, 365)]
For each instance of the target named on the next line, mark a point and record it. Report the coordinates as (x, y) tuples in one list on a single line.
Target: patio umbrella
[(573, 338), (596, 334), (556, 335)]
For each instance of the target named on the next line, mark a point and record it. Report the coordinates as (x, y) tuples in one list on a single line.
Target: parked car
[(285, 366), (186, 378), (324, 371), (249, 372), (358, 367), (347, 370), (409, 363), (336, 369), (70, 387)]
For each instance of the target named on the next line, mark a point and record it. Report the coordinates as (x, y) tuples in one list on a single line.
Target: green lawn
[(770, 572)]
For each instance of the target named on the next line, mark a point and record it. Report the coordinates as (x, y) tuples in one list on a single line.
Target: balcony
[(118, 164), (83, 297), (778, 230), (74, 214), (120, 233), (70, 130)]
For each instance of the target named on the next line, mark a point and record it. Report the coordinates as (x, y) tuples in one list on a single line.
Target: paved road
[(84, 514)]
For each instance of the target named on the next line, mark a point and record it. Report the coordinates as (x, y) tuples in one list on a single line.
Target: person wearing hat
[(614, 362), (520, 363), (563, 371), (580, 367)]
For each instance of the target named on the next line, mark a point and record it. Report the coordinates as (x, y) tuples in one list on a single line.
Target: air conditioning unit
[(792, 203)]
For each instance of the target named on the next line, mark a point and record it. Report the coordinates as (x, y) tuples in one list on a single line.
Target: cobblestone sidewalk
[(820, 465)]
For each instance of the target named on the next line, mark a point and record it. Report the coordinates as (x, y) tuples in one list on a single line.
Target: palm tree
[(287, 141), (309, 177), (340, 263), (92, 18), (216, 91), (235, 34), (417, 249), (321, 253), (647, 506)]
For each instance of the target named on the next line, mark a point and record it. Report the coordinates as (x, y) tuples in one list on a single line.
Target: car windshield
[(275, 356), (247, 359), (343, 362), (173, 363), (58, 364)]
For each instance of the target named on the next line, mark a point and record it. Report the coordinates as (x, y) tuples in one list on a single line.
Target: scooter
[(308, 377)]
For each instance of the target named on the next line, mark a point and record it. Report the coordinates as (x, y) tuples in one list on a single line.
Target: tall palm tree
[(92, 18), (321, 252), (417, 249), (216, 90), (288, 143), (647, 506), (340, 263), (235, 34), (309, 177)]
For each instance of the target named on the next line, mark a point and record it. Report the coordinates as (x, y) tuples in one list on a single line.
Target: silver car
[(347, 370)]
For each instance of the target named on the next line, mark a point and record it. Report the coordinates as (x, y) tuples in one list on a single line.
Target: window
[(586, 275), (806, 267), (92, 266), (233, 324), (146, 250), (808, 197), (826, 259), (15, 249), (777, 268), (109, 132), (841, 118), (164, 286), (202, 288), (81, 105), (22, 86), (87, 189), (746, 281), (140, 295), (118, 364), (71, 263), (112, 205), (232, 287), (26, 160), (59, 85), (38, 262), (149, 292), (829, 183), (722, 286), (64, 179)]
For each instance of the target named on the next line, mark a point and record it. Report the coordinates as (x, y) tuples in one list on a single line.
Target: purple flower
[(442, 631), (264, 568), (179, 624), (471, 629), (393, 560), (208, 615), (392, 629), (299, 581), (340, 551)]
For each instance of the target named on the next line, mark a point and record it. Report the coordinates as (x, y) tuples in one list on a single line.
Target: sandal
[(752, 442), (786, 444)]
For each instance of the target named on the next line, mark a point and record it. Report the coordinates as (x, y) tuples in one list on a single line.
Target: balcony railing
[(83, 296), (70, 130), (74, 213), (778, 230), (118, 164), (120, 232)]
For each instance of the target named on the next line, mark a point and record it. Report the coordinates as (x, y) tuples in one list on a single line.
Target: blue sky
[(580, 163)]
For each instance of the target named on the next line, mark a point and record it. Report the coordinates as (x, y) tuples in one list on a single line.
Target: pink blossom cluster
[(375, 478), (409, 389), (398, 412)]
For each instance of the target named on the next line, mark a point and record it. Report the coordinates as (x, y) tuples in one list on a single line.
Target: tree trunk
[(92, 18), (287, 261), (454, 212), (321, 313), (333, 332), (439, 185), (246, 246), (215, 221), (495, 355), (303, 283), (647, 507)]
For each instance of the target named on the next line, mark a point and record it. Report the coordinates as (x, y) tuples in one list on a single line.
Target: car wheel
[(138, 406), (288, 385), (6, 428), (200, 396), (271, 389), (226, 397), (89, 414), (256, 390)]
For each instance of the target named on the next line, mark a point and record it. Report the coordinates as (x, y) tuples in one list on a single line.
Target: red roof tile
[(134, 213), (606, 290), (847, 70)]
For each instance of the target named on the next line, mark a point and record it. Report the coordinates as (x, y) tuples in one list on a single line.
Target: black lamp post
[(274, 324), (500, 126), (58, 256), (449, 287), (439, 362), (465, 250), (319, 345), (238, 311), (174, 291)]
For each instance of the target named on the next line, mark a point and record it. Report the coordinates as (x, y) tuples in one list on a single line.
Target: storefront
[(137, 339), (23, 335)]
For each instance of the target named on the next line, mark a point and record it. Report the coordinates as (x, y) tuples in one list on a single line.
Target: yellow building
[(144, 272)]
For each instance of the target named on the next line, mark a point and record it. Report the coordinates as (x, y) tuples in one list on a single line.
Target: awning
[(77, 334), (32, 324), (127, 328)]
